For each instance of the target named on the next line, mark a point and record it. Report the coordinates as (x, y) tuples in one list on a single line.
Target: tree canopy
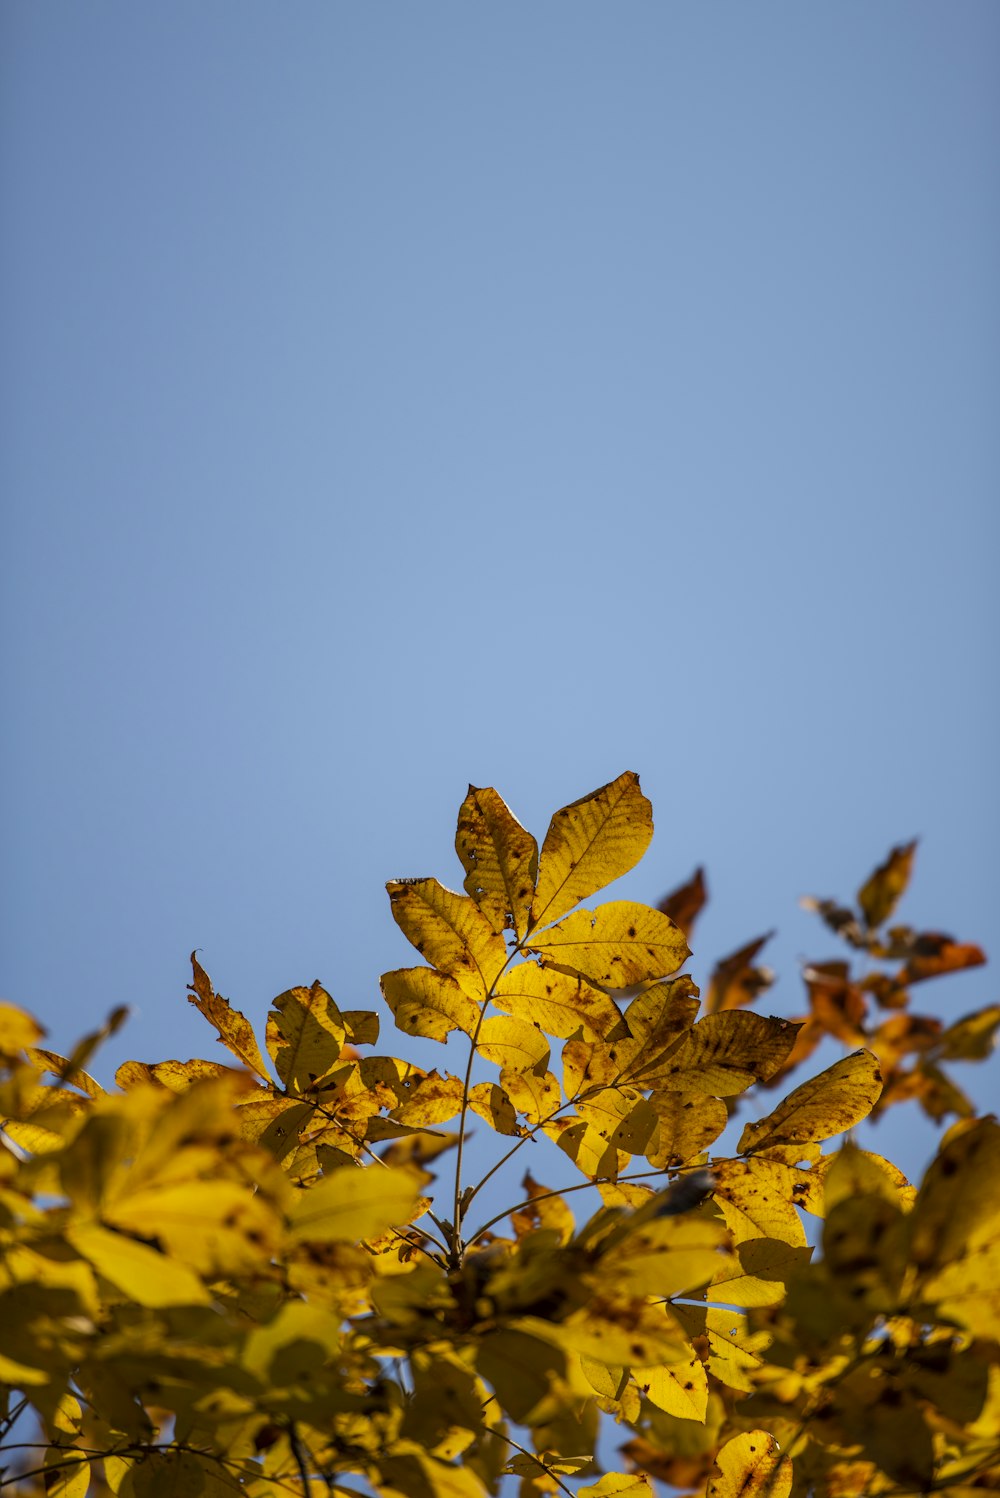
[(271, 1273)]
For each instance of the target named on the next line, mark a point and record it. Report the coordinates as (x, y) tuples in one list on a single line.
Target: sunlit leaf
[(499, 857), (513, 1044), (679, 1388), (217, 1227), (723, 1054), (590, 843), (559, 1003), (619, 1332), (18, 1030), (686, 1124), (352, 1204), (972, 1038), (450, 932), (305, 1036), (735, 980), (616, 945), (756, 1199), (760, 1275), (825, 1106), (433, 1100), (536, 1097), (751, 1466), (425, 1002), (667, 1256), (235, 1033), (880, 893), (148, 1277), (618, 1485), (494, 1104)]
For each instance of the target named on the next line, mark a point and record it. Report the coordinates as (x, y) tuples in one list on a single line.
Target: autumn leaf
[(881, 892), (735, 980), (426, 1002), (685, 903), (305, 1036), (559, 1003), (235, 1033), (827, 1105), (500, 860), (751, 1466), (616, 945), (353, 1203), (450, 932), (723, 1054), (590, 843), (513, 1044)]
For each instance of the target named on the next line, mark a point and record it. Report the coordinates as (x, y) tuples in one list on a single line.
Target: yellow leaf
[(666, 1256), (428, 1003), (619, 1332), (361, 1025), (686, 1124), (176, 1076), (176, 1474), (537, 1097), (542, 1209), (353, 1203), (616, 945), (760, 1274), (450, 932), (140, 1272), (618, 1485), (304, 1037), (67, 1473), (751, 1466), (62, 1068), (723, 1054), (755, 1197), (734, 1352), (218, 1227), (520, 1367), (293, 1345), (499, 857), (660, 1014), (235, 1033), (17, 1031), (955, 1228), (829, 1104), (588, 1064), (434, 1099), (880, 894), (679, 1388), (513, 1044), (585, 1146), (590, 843), (494, 1104), (559, 1003), (972, 1038)]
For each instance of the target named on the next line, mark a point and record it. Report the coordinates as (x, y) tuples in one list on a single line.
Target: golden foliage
[(245, 1276)]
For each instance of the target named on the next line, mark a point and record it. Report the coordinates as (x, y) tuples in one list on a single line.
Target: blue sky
[(402, 396)]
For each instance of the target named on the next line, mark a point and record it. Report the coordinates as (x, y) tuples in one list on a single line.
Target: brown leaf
[(684, 904), (735, 981)]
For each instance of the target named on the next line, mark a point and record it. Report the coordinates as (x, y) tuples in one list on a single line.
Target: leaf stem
[(531, 1457)]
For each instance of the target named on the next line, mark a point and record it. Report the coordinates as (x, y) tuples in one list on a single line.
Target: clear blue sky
[(397, 396)]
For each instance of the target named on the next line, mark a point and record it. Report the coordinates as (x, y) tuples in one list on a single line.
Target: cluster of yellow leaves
[(227, 1278)]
